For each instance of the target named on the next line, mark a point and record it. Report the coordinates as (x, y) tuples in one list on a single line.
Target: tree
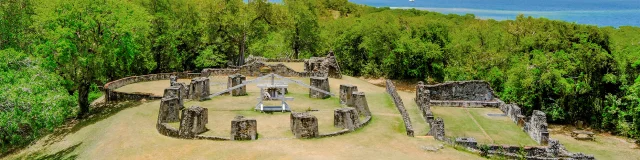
[(81, 37), (15, 19), (304, 30)]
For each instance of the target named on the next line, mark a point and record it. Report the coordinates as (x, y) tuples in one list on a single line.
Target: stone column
[(194, 121), (320, 83), (235, 80), (169, 110), (199, 88), (360, 103), (174, 92), (437, 129), (346, 91), (173, 80), (304, 125), (346, 118), (244, 129)]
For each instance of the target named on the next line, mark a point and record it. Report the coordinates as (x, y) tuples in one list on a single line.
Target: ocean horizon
[(613, 13)]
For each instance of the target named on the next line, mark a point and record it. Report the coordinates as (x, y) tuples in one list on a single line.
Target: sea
[(601, 13)]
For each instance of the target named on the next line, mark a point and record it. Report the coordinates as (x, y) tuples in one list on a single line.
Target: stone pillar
[(169, 110), (199, 88), (437, 129), (173, 80), (537, 127), (235, 80), (346, 91), (174, 92), (304, 125), (346, 118), (194, 121), (360, 103), (320, 83), (244, 129)]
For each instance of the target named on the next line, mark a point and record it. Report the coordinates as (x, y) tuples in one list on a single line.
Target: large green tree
[(81, 37)]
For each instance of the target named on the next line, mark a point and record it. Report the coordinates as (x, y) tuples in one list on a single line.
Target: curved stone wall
[(111, 95)]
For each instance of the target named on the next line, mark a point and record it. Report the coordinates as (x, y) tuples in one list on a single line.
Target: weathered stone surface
[(235, 80), (184, 90), (304, 125), (244, 128), (323, 66), (172, 80), (174, 92), (194, 121), (468, 142), (320, 83), (461, 90), (423, 99), (199, 88), (346, 90), (537, 127), (169, 110), (111, 95), (346, 118), (360, 103), (391, 89), (437, 129)]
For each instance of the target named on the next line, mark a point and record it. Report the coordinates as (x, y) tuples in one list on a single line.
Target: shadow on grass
[(62, 154), (97, 113)]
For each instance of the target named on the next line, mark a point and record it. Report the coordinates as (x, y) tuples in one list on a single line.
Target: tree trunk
[(83, 99), (243, 43), (296, 46)]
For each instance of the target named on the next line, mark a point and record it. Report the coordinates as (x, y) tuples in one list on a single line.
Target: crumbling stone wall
[(346, 118), (253, 69), (346, 92), (304, 125), (423, 99), (235, 80), (244, 128), (323, 66), (194, 121), (320, 83), (537, 127), (437, 129), (218, 72), (199, 88), (553, 151), (111, 95), (391, 89), (461, 90), (360, 103)]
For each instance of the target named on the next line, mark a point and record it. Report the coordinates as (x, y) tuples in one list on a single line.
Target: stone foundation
[(346, 92), (360, 103), (437, 129), (235, 80), (199, 88), (304, 125), (320, 83), (537, 127), (346, 118), (553, 151), (244, 128), (194, 120), (461, 90)]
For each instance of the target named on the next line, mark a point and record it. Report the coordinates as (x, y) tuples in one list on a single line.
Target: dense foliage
[(56, 50)]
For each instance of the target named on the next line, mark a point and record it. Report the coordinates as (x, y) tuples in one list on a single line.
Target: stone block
[(360, 103), (169, 110), (174, 92), (304, 125), (437, 129), (320, 83), (194, 121), (346, 92), (199, 88), (235, 80), (346, 118), (244, 128)]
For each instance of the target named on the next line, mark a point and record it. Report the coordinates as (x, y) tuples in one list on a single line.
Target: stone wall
[(252, 58), (391, 89), (461, 91), (437, 129), (553, 151), (423, 100), (536, 127), (111, 95), (323, 66)]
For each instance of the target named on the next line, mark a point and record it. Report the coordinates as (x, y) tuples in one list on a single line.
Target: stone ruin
[(437, 129), (553, 151), (468, 142), (537, 127), (244, 128), (346, 118), (169, 110), (323, 66), (194, 120), (360, 103), (304, 125), (199, 88), (423, 99), (320, 83), (235, 80), (461, 90), (346, 92), (514, 113), (184, 88)]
